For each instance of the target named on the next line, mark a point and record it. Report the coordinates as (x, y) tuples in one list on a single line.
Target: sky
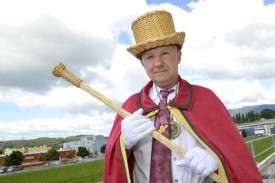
[(229, 48)]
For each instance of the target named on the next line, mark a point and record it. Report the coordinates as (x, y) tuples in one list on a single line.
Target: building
[(91, 142), (258, 128), (40, 149), (32, 158)]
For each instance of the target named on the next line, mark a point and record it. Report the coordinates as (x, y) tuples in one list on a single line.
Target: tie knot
[(165, 93)]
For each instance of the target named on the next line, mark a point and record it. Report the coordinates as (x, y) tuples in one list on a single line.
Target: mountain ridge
[(255, 108)]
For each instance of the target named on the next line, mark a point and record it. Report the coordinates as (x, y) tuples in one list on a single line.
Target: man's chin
[(161, 82)]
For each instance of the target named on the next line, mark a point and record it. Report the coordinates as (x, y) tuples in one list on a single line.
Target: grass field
[(92, 172), (260, 146), (77, 173)]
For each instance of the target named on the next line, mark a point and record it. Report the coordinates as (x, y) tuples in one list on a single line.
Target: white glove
[(200, 161), (135, 128)]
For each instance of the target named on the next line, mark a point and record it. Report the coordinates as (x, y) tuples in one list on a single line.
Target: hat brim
[(175, 38)]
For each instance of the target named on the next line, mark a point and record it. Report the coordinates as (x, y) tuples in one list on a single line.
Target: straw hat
[(154, 29)]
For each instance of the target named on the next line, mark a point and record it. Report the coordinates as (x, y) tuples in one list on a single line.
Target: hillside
[(52, 142), (255, 108)]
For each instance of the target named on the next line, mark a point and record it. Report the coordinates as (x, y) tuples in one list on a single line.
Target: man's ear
[(179, 56)]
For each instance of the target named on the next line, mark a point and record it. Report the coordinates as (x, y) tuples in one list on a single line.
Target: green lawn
[(260, 146), (76, 173)]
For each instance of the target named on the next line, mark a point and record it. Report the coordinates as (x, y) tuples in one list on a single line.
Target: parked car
[(56, 163), (3, 169), (18, 168), (10, 169)]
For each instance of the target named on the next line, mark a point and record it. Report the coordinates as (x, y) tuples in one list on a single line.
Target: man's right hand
[(135, 128)]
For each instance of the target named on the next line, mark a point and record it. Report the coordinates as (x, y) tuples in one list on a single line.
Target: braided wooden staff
[(60, 70)]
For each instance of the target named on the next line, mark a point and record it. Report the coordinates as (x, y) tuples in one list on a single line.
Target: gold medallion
[(175, 129)]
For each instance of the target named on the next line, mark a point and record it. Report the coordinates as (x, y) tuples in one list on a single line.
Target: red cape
[(210, 121)]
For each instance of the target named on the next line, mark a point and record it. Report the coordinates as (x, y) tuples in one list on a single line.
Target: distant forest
[(253, 116)]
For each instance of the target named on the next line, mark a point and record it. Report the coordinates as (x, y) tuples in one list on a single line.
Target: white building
[(91, 142)]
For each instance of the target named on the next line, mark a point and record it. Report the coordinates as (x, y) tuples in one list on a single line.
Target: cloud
[(255, 36), (31, 51), (34, 38), (30, 48), (241, 92), (58, 127), (228, 45)]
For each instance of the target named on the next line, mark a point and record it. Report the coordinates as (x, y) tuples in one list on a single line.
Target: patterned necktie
[(161, 170)]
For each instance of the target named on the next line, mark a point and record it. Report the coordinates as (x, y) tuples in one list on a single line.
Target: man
[(190, 116)]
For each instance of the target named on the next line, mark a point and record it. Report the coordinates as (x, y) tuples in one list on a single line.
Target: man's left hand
[(200, 161)]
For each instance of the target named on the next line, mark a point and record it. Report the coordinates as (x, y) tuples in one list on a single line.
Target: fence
[(263, 150), (262, 147)]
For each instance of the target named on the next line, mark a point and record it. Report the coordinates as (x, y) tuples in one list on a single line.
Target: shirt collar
[(154, 92), (183, 98)]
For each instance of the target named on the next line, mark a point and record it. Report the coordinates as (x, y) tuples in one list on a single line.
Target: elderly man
[(190, 116)]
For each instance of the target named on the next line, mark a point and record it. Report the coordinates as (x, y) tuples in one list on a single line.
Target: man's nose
[(158, 61)]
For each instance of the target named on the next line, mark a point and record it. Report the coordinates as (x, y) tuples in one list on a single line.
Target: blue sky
[(10, 112), (182, 4), (229, 48), (267, 2)]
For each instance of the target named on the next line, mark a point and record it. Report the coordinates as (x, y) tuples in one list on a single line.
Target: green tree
[(52, 154), (258, 116), (243, 118), (14, 159), (244, 134), (234, 119), (267, 113), (238, 118), (102, 149), (82, 152), (70, 155), (250, 116), (42, 157)]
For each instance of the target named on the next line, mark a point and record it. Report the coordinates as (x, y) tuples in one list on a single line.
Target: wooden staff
[(60, 70)]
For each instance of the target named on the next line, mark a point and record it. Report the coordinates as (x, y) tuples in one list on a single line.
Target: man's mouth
[(156, 72)]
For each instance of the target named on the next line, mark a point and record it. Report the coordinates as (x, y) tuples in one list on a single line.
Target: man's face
[(161, 65)]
